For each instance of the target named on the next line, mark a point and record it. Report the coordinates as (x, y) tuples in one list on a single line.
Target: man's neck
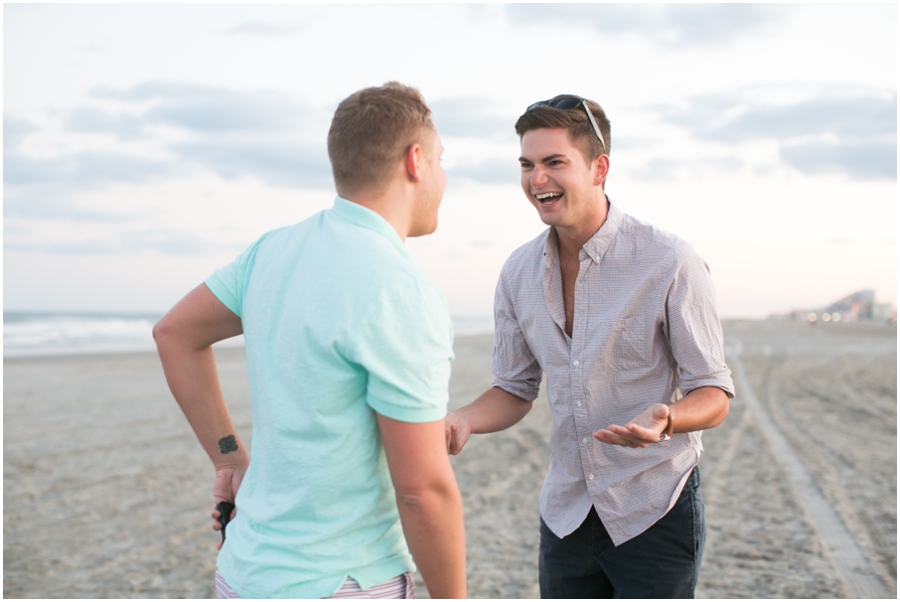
[(388, 205), (571, 240)]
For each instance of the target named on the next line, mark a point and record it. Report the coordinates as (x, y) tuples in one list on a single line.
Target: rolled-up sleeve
[(694, 329), (515, 368)]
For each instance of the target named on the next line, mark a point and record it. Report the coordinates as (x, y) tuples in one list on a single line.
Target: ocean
[(33, 334)]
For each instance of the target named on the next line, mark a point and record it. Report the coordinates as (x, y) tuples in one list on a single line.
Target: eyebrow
[(545, 159)]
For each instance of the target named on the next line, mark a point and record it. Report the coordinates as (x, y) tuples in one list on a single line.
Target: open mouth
[(548, 198)]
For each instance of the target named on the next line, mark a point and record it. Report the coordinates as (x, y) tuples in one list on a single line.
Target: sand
[(106, 491)]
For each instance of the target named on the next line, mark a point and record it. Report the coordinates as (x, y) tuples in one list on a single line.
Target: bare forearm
[(702, 408), (184, 338), (433, 526), (494, 410), (193, 379)]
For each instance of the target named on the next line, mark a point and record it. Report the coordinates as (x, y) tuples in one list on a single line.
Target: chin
[(423, 231), (549, 220)]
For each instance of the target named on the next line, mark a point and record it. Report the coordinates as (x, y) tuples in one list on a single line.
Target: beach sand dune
[(107, 492)]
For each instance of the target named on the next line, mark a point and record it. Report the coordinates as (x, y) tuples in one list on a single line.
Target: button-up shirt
[(645, 330)]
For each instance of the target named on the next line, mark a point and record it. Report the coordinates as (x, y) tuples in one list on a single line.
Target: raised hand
[(643, 430)]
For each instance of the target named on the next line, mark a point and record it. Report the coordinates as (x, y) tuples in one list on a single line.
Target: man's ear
[(600, 169), (413, 160)]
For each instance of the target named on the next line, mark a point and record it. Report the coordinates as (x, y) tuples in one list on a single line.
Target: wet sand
[(106, 491)]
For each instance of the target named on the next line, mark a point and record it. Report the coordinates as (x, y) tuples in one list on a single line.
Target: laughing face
[(561, 185)]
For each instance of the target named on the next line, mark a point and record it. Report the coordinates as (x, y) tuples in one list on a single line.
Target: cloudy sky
[(146, 145)]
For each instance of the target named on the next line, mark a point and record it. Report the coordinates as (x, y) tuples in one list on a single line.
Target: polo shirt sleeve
[(405, 346), (693, 327), (515, 368), (229, 283)]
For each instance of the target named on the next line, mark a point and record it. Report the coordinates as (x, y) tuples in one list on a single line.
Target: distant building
[(860, 306)]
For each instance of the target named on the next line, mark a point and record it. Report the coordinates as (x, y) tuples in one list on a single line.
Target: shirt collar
[(596, 245), (366, 218)]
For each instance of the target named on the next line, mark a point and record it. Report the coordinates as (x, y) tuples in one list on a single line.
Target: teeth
[(547, 195)]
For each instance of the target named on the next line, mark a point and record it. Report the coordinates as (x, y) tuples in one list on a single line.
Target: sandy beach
[(107, 493)]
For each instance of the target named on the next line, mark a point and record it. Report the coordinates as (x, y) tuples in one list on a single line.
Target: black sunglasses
[(568, 103)]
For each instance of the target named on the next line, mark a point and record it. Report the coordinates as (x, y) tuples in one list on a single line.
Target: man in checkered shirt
[(621, 318)]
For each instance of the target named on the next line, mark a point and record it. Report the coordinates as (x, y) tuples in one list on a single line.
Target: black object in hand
[(224, 509)]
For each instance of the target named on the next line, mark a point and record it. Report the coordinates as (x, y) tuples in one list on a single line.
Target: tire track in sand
[(850, 563)]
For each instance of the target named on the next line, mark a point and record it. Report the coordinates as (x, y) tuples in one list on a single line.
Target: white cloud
[(174, 126), (262, 28), (671, 25)]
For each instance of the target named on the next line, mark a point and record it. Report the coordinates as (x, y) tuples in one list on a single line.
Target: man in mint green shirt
[(348, 350)]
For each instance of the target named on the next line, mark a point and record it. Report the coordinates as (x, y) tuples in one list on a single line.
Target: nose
[(538, 176)]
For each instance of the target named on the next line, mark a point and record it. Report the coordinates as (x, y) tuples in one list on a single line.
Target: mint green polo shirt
[(339, 324)]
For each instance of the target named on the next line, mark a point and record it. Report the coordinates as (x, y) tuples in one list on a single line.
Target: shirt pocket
[(629, 344)]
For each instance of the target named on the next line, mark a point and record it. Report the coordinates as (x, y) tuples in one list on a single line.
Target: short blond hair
[(371, 131)]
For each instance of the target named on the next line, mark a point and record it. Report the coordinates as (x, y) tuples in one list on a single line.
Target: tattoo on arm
[(227, 444)]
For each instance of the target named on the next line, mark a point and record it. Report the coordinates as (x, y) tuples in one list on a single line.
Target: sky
[(147, 145)]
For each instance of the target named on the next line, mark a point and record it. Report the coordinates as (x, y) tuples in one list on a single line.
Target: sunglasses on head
[(567, 103)]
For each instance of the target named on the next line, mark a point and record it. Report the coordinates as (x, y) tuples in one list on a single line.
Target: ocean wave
[(33, 334)]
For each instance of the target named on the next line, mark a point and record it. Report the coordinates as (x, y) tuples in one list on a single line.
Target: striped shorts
[(401, 586)]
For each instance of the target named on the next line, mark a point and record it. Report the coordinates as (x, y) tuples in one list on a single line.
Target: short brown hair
[(371, 130), (575, 120)]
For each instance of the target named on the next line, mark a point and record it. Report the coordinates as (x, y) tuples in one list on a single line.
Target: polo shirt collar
[(366, 218)]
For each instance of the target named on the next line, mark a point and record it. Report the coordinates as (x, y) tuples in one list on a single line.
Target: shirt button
[(575, 363), (584, 440), (578, 403), (591, 476)]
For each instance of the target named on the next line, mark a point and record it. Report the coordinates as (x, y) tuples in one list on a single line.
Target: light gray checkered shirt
[(645, 330)]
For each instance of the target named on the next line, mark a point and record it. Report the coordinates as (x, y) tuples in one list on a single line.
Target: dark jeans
[(661, 562)]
